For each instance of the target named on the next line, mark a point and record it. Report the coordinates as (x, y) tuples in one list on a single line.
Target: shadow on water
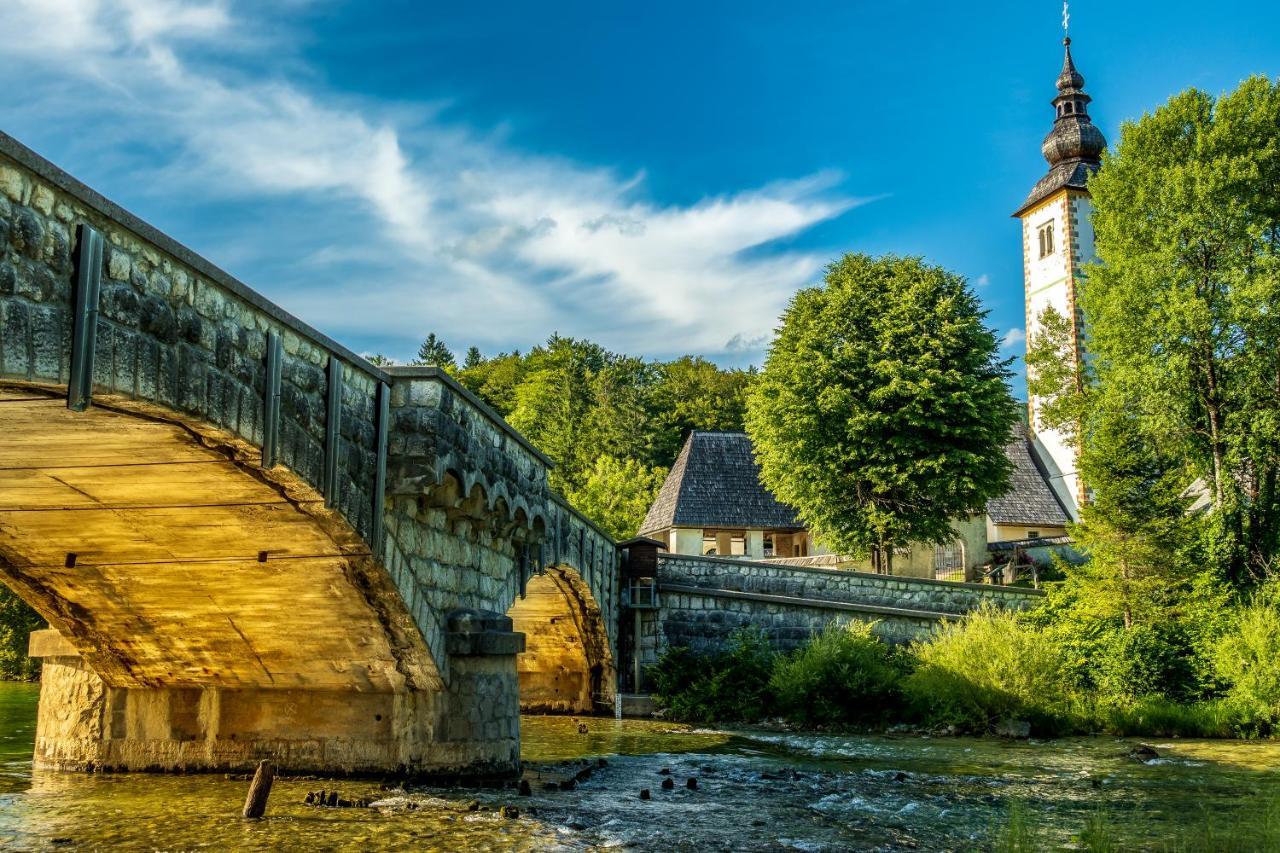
[(753, 791)]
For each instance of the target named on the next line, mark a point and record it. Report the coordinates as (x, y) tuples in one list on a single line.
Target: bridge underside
[(210, 612)]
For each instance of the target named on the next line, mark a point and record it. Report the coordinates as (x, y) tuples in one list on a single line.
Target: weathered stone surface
[(703, 600), (467, 517)]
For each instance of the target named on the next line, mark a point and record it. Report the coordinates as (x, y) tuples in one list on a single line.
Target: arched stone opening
[(566, 667)]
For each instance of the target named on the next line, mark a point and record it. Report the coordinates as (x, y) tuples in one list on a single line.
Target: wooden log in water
[(255, 804)]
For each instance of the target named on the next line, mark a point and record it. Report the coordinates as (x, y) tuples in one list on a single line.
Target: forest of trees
[(612, 423)]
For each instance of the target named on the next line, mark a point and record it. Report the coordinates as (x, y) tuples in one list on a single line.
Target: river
[(754, 791)]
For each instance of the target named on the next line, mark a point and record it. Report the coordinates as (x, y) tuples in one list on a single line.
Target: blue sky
[(659, 177)]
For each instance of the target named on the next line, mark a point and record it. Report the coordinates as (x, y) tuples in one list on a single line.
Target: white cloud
[(444, 227), (1012, 338), (982, 281)]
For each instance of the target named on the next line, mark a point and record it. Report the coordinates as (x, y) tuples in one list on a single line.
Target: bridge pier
[(469, 731)]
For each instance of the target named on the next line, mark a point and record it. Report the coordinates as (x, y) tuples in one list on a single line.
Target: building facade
[(1057, 241)]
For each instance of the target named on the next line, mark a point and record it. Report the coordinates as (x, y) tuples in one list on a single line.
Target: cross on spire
[(1066, 18)]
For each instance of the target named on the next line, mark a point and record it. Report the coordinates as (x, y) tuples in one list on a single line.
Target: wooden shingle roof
[(1029, 500), (715, 482)]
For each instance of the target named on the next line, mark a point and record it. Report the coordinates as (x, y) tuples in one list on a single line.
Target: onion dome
[(1074, 146)]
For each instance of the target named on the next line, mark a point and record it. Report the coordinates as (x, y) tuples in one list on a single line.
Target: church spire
[(1074, 145), (1074, 138)]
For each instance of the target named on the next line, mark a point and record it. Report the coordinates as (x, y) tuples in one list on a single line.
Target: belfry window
[(1046, 240)]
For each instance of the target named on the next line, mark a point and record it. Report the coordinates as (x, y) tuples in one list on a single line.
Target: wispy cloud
[(982, 282), (1012, 338), (443, 226)]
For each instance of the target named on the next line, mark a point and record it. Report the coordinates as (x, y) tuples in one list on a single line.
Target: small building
[(714, 504)]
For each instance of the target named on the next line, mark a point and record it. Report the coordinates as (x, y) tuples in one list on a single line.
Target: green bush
[(1144, 660), (988, 667), (845, 675), (727, 686), (1156, 716), (1248, 661)]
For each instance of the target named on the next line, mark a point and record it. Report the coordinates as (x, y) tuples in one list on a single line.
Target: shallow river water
[(754, 791)]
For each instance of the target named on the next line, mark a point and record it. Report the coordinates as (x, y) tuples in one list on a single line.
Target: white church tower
[(1057, 239)]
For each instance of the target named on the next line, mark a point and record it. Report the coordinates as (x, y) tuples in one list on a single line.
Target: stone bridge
[(249, 541)]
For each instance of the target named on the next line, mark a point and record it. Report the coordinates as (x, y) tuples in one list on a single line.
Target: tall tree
[(473, 360), (433, 351), (1183, 308), (553, 401), (616, 494), (693, 393), (883, 408)]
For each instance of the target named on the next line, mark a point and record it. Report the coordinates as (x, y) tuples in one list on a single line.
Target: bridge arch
[(422, 514), (567, 666)]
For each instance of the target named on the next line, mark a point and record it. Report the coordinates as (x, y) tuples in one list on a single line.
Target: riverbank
[(755, 790)]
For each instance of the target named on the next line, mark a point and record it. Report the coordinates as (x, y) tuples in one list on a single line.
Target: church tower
[(1057, 240)]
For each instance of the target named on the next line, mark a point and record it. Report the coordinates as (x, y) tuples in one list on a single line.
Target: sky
[(659, 177)]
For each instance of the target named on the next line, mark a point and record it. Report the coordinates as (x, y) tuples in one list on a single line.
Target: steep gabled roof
[(1029, 500), (715, 482)]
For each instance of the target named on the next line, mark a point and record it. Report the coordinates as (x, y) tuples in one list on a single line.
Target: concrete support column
[(755, 544), (724, 544)]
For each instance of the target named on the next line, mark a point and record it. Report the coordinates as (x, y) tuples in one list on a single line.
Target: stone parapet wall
[(705, 599), (172, 329)]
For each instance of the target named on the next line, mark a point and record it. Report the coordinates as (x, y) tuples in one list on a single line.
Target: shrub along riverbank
[(994, 669)]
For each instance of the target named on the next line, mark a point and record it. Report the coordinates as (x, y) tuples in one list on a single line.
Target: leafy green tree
[(381, 360), (17, 621), (552, 404), (433, 351), (883, 409), (473, 360), (495, 381), (1183, 309), (617, 493), (694, 394)]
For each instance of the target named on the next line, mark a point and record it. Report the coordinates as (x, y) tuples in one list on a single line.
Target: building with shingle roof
[(713, 503)]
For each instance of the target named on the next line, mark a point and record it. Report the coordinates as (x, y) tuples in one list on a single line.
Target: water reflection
[(754, 791)]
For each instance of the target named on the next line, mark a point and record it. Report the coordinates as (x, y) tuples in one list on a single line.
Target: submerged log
[(255, 804)]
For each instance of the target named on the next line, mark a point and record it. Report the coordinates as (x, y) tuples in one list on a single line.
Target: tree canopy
[(883, 409), (1182, 316), (433, 351), (612, 423)]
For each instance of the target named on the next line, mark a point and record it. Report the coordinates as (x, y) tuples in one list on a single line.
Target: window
[(1033, 534), (1070, 108), (768, 544), (1046, 240), (708, 545), (738, 545)]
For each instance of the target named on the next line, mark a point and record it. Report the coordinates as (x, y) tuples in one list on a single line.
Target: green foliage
[(381, 360), (1183, 331), (578, 402), (1145, 661), (988, 667), (883, 410), (1017, 835), (433, 351), (1248, 660), (728, 686), (843, 676), (17, 621), (1156, 716), (617, 493)]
